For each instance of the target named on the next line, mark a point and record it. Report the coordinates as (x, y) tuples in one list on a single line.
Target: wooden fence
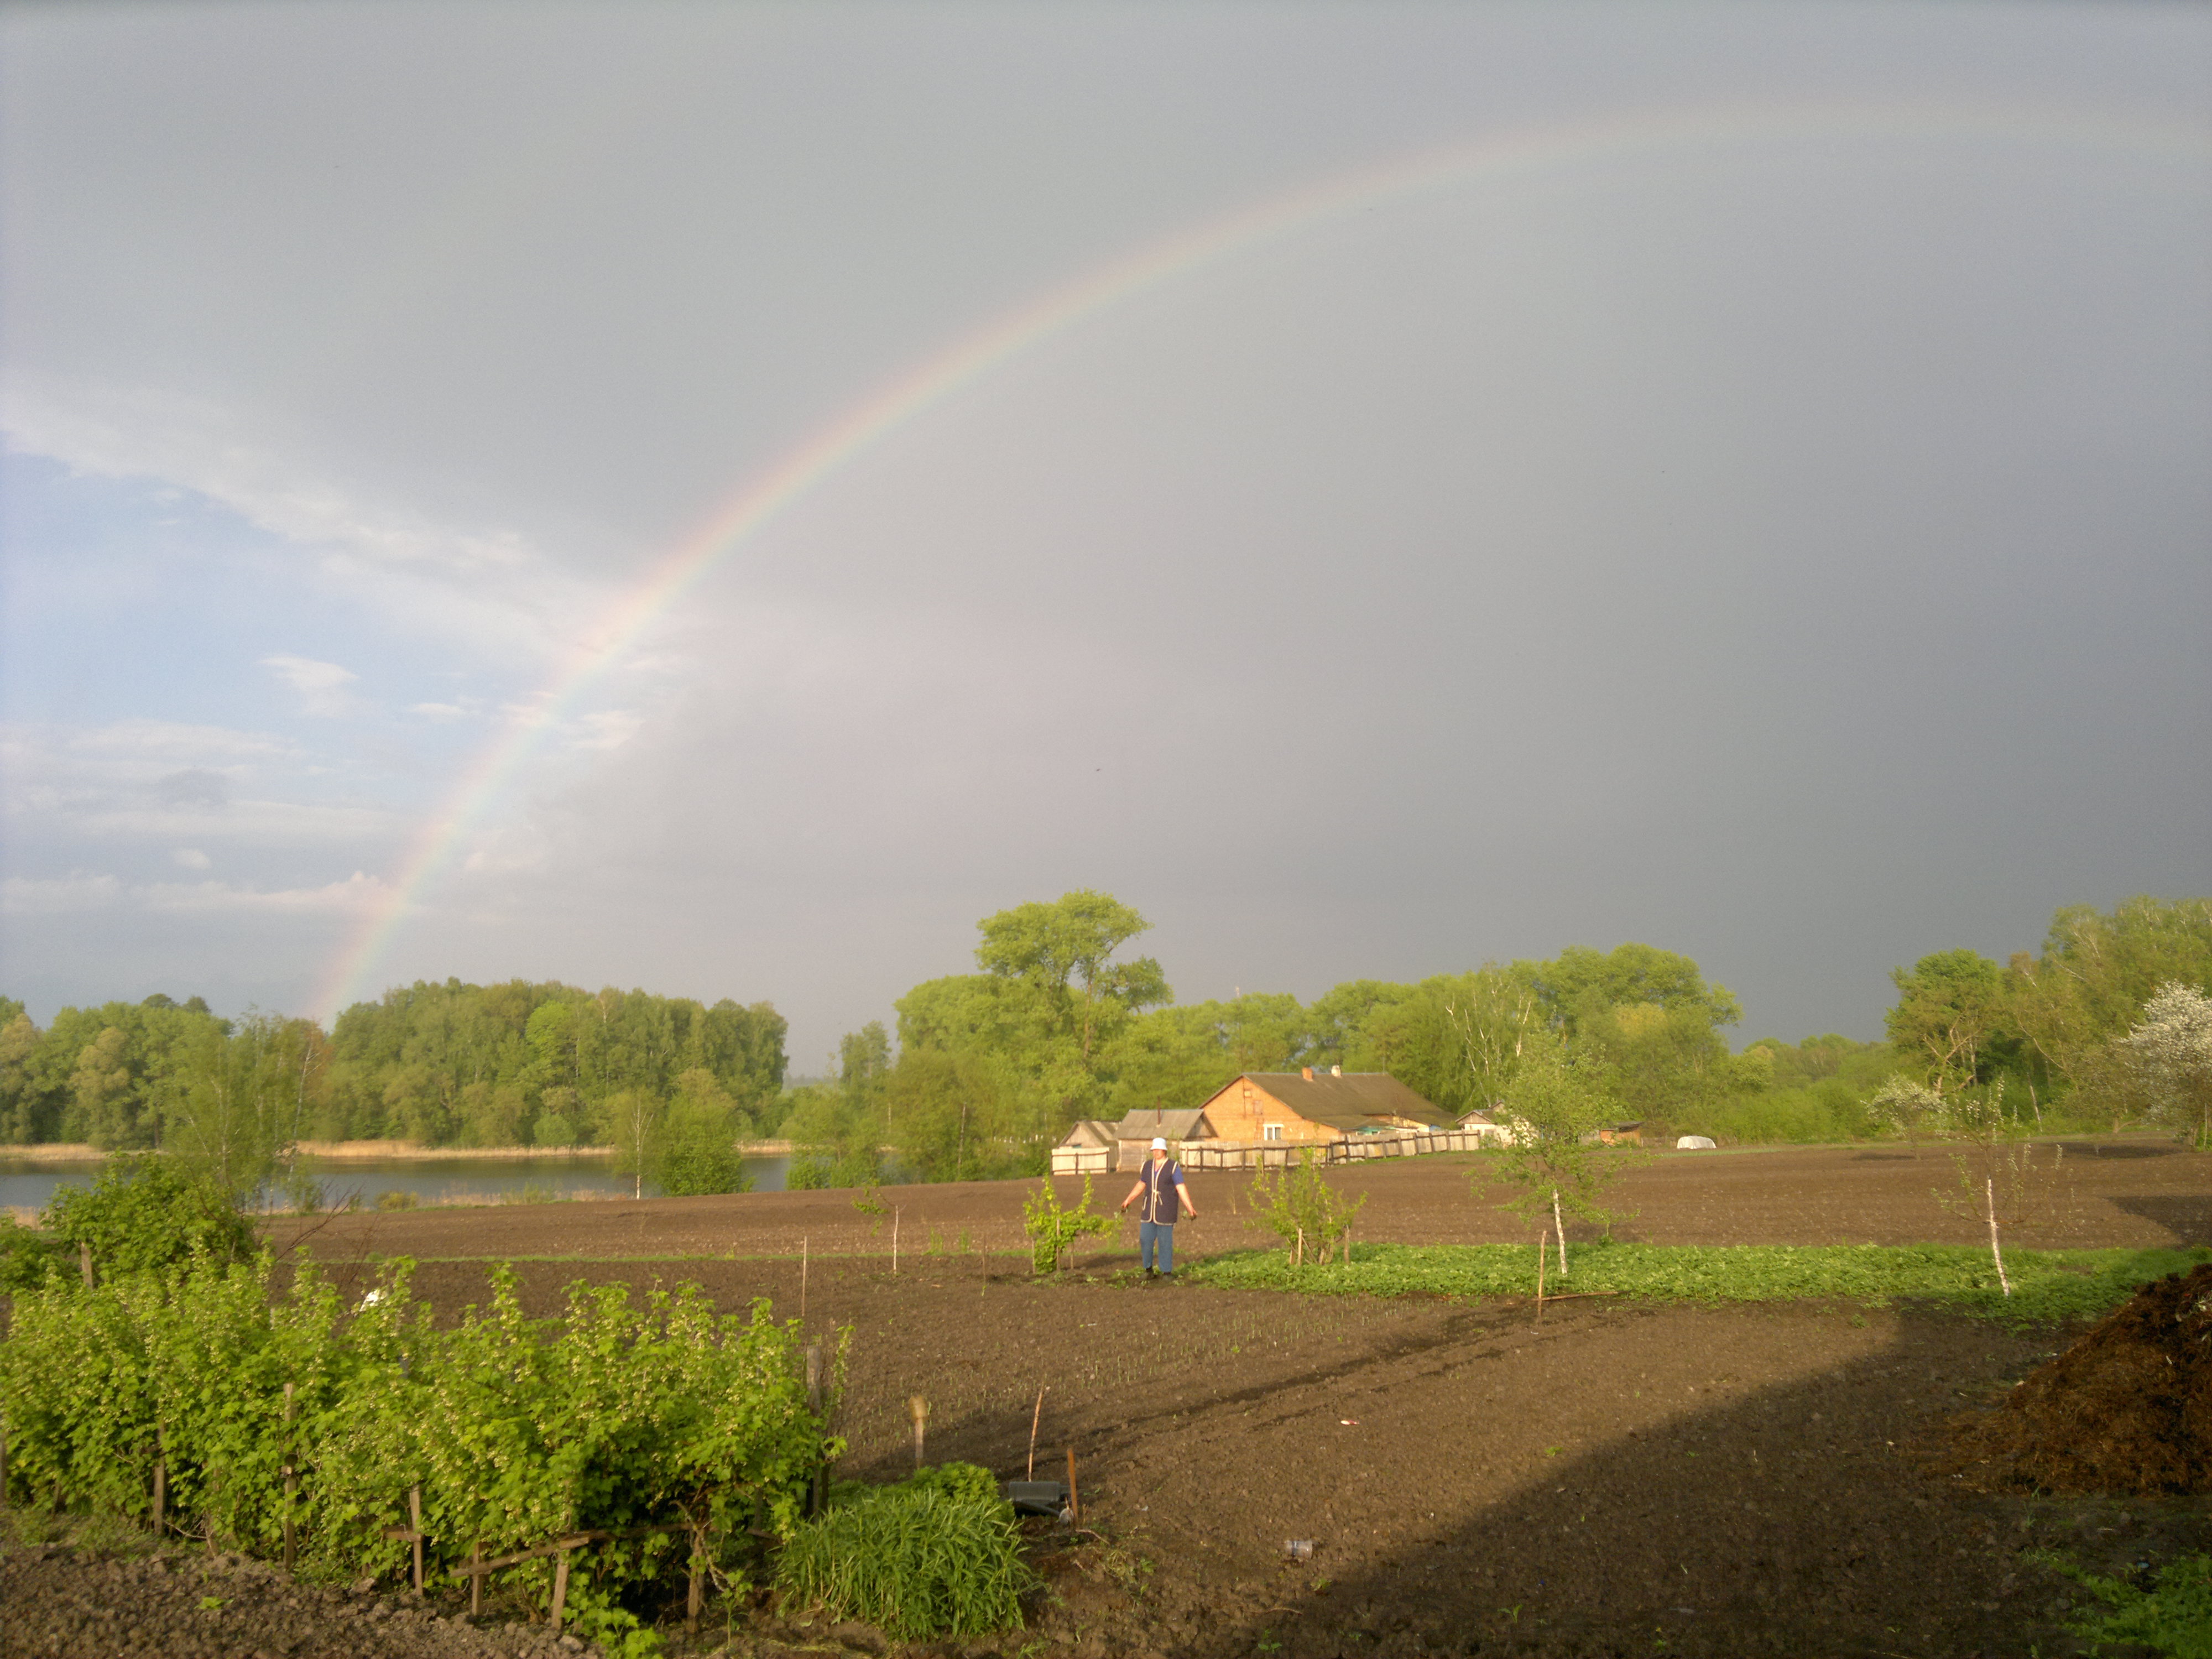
[(1352, 1149), (1412, 1142)]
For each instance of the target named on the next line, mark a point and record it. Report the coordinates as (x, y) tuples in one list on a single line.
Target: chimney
[(1336, 1070), (1309, 1071)]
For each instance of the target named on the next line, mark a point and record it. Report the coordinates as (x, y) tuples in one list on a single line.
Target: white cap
[(1159, 1145)]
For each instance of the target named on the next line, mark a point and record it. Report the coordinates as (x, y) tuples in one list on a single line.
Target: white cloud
[(80, 892), (611, 728), (321, 685), (358, 893), (268, 823), (119, 432), (190, 858), (26, 895), (164, 744), (176, 783), (490, 590), (443, 712)]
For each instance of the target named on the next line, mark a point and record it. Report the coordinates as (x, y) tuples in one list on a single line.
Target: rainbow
[(973, 357)]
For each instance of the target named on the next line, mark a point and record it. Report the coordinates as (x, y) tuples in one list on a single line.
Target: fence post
[(476, 1579), (560, 1588), (815, 1492), (84, 1261), (291, 1481), (920, 1407)]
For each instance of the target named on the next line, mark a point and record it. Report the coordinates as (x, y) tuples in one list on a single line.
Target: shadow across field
[(1795, 1518), (2188, 1219)]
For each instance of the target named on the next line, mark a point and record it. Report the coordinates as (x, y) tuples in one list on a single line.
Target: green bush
[(27, 1257), (917, 1560), (612, 1417), (955, 1481), (1302, 1209), (144, 1212), (702, 1167), (1052, 1228), (2173, 1617)]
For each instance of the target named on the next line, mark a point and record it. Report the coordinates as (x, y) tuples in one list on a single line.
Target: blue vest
[(1163, 1203)]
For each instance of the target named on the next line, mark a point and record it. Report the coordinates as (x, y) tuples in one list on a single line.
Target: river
[(27, 1186)]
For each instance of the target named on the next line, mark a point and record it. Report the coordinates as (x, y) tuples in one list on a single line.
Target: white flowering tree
[(2170, 1055)]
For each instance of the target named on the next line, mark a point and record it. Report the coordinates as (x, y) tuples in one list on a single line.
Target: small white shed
[(1089, 1148)]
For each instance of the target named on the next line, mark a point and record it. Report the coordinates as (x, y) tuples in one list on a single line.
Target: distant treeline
[(517, 1064), (989, 1068)]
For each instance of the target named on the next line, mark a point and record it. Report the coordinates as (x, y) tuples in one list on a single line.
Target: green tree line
[(981, 1072), (450, 1064), (1058, 1022)]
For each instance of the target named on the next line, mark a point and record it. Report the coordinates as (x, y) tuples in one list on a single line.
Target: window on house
[(1271, 1132)]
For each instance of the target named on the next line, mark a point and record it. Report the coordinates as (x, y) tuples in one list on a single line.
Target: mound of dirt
[(2127, 1410)]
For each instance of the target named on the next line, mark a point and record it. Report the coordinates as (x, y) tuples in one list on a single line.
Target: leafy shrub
[(2173, 1617), (1052, 1228), (146, 1212), (26, 1257), (1302, 1209), (957, 1481), (700, 1167), (917, 1560), (396, 1198), (611, 1418)]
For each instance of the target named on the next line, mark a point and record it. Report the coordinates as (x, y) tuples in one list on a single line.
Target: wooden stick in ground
[(1989, 1192), (414, 1525), (895, 1221), (920, 1407), (84, 1262), (475, 1579), (1562, 1227), (1543, 1245), (1035, 1417), (291, 1481), (560, 1588), (818, 1489), (1074, 1510), (802, 1278)]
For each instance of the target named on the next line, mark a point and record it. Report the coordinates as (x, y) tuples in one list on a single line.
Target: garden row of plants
[(219, 1398), (2045, 1284), (680, 1432)]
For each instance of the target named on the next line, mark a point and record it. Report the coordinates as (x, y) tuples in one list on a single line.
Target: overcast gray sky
[(1736, 478)]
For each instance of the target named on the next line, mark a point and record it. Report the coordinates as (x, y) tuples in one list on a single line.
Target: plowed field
[(1617, 1479)]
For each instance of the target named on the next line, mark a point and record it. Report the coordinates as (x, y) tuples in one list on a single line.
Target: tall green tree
[(2092, 977), (1051, 999), (233, 1113), (1950, 1014)]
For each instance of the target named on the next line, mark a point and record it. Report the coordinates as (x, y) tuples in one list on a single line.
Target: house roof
[(1181, 1124), (1089, 1132), (1351, 1101)]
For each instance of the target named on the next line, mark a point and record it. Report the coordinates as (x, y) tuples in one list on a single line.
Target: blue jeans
[(1154, 1235)]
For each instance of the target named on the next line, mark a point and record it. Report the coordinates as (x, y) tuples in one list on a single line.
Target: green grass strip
[(2047, 1286)]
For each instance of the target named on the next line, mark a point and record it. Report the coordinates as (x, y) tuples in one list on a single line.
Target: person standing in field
[(1166, 1201)]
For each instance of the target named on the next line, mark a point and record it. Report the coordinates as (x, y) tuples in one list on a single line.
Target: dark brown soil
[(2126, 1409), (2124, 1190), (1616, 1480), (76, 1604)]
